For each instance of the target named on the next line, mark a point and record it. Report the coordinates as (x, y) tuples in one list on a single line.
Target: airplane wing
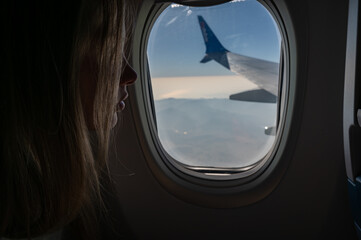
[(261, 72)]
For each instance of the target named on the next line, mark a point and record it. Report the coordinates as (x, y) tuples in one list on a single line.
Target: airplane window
[(214, 77)]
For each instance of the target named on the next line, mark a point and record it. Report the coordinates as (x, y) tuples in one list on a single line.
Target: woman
[(65, 80)]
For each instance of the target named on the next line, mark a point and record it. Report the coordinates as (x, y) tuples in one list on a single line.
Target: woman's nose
[(129, 76)]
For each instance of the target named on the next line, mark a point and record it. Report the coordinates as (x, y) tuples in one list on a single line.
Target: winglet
[(212, 43)]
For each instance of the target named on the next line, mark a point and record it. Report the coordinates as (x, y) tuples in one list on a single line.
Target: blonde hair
[(50, 168)]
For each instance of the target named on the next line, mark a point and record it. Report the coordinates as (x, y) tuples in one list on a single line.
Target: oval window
[(215, 81)]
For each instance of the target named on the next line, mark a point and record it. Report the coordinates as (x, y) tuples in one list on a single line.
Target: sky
[(175, 45)]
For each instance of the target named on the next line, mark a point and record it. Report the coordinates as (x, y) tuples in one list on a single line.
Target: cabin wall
[(311, 200)]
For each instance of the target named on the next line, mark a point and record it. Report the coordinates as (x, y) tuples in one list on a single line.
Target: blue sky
[(176, 46)]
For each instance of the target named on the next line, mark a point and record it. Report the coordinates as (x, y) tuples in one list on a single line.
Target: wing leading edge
[(261, 72)]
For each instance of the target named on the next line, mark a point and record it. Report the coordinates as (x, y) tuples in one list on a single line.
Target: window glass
[(215, 81)]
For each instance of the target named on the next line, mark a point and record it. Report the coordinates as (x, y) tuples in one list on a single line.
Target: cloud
[(174, 94), (215, 132)]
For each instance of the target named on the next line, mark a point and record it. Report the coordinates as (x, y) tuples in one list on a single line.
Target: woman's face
[(128, 77), (87, 78)]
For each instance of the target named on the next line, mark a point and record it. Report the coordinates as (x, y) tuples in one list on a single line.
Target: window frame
[(220, 191)]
